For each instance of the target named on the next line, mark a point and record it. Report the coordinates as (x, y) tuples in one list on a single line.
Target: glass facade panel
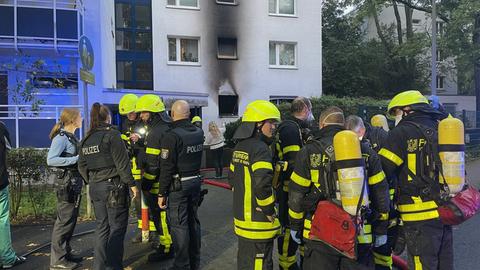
[(67, 24), (7, 22), (123, 15), (124, 70), (35, 22), (143, 17)]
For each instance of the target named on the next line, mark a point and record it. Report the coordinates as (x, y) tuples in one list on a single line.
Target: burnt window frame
[(234, 111), (226, 57)]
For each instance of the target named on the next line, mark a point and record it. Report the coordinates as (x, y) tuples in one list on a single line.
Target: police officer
[(251, 174), (293, 133), (313, 173), (197, 121), (104, 162), (153, 114), (134, 141), (429, 242), (181, 158), (382, 248), (62, 157)]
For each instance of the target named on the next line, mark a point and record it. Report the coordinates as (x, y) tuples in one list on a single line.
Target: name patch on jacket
[(91, 150), (240, 157)]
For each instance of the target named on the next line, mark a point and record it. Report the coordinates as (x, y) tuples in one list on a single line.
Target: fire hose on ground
[(397, 261)]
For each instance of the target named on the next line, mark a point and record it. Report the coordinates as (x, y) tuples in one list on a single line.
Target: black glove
[(147, 184)]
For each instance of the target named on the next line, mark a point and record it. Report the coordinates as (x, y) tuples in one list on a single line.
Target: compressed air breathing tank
[(451, 148), (351, 170), (379, 120)]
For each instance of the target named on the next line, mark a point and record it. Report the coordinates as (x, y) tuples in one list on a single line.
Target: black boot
[(160, 255)]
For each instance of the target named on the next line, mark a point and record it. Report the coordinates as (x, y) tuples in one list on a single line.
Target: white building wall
[(250, 75)]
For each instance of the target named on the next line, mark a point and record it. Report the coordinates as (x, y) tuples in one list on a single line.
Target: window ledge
[(283, 15), (191, 64), (284, 67), (183, 7), (228, 116), (227, 57), (227, 4)]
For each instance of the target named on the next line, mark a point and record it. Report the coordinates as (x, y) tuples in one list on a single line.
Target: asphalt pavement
[(219, 244)]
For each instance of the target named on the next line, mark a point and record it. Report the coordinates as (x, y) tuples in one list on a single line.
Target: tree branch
[(428, 10)]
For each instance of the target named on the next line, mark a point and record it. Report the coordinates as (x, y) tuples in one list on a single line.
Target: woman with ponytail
[(63, 157), (105, 164)]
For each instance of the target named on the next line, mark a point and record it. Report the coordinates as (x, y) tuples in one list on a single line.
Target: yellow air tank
[(351, 170), (379, 120), (451, 148)]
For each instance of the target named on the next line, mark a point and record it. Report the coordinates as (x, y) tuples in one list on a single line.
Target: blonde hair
[(213, 128), (68, 116)]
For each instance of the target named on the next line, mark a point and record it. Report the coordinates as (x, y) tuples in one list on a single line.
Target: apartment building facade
[(217, 54)]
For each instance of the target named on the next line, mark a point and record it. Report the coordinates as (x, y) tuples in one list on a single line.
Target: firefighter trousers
[(319, 256), (429, 245), (383, 254), (287, 247), (159, 218), (254, 255)]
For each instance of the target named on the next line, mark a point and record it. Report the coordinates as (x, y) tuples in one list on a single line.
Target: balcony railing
[(50, 24)]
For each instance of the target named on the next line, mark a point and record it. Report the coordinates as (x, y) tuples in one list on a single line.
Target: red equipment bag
[(460, 207), (335, 227)]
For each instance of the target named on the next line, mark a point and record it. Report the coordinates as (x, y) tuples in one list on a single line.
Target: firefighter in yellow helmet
[(132, 130), (293, 133), (379, 120), (250, 175), (153, 114), (408, 155), (197, 121), (315, 180)]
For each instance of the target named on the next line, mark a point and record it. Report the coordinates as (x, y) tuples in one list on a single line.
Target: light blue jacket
[(60, 144)]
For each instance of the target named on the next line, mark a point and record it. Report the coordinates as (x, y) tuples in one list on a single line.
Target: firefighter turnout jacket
[(251, 175), (103, 156), (402, 156), (156, 130), (136, 150), (313, 172), (181, 153), (377, 136)]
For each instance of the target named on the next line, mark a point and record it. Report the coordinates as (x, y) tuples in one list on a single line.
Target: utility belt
[(68, 184), (118, 196), (177, 181)]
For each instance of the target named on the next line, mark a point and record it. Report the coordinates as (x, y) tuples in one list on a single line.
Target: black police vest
[(95, 151), (73, 140), (190, 156)]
